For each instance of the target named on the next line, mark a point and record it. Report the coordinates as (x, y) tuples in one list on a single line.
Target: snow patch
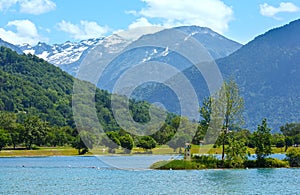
[(166, 52), (44, 55), (31, 51)]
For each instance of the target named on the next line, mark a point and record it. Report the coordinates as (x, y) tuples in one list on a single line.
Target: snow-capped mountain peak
[(60, 54)]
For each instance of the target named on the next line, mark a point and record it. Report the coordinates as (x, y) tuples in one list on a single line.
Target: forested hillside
[(36, 106)]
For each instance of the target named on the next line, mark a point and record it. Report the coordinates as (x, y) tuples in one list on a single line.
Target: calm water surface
[(89, 175)]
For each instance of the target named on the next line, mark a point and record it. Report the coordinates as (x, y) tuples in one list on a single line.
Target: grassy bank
[(209, 162), (69, 151), (43, 151)]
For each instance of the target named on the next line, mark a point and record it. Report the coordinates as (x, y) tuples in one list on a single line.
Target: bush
[(208, 161), (266, 163), (177, 165), (275, 163), (293, 157)]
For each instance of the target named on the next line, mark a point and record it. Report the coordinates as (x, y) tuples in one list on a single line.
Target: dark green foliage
[(4, 138), (59, 136), (291, 131), (111, 140), (236, 152), (293, 157), (266, 163), (126, 142), (262, 137), (80, 145), (177, 165), (32, 87), (165, 134), (207, 161), (35, 131), (146, 142)]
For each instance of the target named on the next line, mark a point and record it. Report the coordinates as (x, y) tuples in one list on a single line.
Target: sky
[(58, 21)]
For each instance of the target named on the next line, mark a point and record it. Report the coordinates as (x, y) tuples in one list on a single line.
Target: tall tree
[(35, 131), (236, 153), (262, 137), (228, 107)]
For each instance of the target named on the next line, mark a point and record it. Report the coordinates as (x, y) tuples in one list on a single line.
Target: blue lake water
[(95, 175)]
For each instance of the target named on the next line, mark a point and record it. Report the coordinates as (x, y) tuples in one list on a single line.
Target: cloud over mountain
[(210, 13), (271, 11), (84, 30)]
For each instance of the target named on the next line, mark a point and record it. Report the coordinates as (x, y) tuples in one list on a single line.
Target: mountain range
[(266, 69), (69, 55)]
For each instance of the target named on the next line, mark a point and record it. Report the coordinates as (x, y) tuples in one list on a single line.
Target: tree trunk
[(223, 148)]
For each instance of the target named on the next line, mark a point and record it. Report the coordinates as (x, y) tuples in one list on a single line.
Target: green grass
[(160, 150), (177, 165), (43, 151)]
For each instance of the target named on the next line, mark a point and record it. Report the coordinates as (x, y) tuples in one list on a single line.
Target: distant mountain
[(69, 55), (268, 71), (11, 46), (217, 45), (62, 55), (143, 50)]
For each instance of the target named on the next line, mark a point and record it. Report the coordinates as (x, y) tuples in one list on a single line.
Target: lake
[(130, 175)]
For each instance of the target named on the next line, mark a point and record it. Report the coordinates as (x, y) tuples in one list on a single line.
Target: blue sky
[(57, 21)]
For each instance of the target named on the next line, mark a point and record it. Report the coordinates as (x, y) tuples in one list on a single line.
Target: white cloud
[(5, 4), (35, 7), (138, 28), (84, 30), (209, 13), (25, 32), (270, 11), (140, 22)]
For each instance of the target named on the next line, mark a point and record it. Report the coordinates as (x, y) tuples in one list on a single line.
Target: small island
[(196, 162)]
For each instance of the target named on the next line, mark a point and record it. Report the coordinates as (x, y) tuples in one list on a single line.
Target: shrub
[(177, 165), (266, 163), (208, 161), (293, 157), (275, 163)]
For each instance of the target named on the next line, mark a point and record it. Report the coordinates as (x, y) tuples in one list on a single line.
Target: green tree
[(293, 156), (58, 136), (291, 131), (4, 138), (146, 142), (16, 134), (111, 140), (79, 145), (15, 130), (126, 142), (262, 138), (228, 106), (178, 141), (236, 152), (297, 140), (35, 131), (289, 141), (83, 142)]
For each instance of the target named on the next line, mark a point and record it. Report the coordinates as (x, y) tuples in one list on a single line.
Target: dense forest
[(36, 106)]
